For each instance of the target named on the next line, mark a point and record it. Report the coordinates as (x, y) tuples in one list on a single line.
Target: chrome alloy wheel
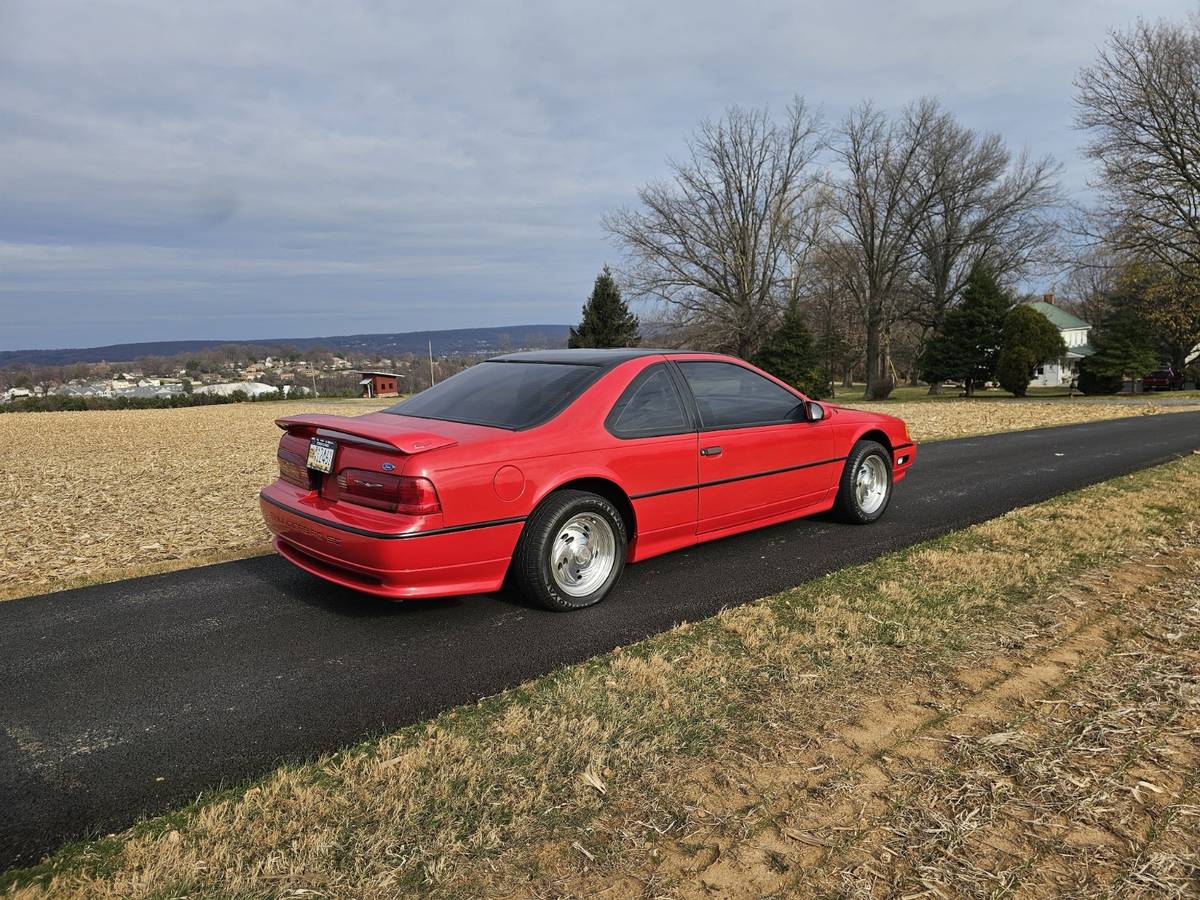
[(871, 484), (583, 554)]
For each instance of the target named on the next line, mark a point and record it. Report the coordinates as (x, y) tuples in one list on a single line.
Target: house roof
[(1062, 319), (1081, 350), (376, 374)]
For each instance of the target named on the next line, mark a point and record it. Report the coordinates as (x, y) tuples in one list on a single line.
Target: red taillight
[(418, 497), (293, 465), (293, 470), (394, 493)]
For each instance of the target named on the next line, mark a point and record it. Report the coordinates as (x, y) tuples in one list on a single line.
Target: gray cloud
[(268, 168)]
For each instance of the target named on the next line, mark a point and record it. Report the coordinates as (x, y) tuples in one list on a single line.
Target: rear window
[(512, 395)]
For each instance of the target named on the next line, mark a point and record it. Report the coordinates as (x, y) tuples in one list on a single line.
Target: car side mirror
[(815, 412)]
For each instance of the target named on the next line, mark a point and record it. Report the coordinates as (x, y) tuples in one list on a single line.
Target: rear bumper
[(439, 564)]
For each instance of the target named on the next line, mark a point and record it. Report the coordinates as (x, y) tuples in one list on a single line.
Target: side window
[(650, 406), (729, 396)]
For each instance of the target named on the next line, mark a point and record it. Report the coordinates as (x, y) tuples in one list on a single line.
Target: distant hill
[(452, 341)]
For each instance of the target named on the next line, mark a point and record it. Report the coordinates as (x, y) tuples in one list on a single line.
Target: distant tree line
[(57, 403)]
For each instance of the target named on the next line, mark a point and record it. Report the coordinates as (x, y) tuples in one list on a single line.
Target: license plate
[(320, 454)]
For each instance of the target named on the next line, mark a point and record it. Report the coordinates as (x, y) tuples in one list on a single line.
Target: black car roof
[(585, 357)]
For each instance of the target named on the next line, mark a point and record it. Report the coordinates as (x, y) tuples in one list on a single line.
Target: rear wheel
[(866, 485), (571, 552)]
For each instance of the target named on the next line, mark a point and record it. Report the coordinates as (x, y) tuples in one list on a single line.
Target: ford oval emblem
[(387, 467)]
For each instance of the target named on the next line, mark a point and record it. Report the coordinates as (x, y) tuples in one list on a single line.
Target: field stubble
[(95, 496)]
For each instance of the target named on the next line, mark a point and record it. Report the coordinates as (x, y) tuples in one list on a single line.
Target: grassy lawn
[(987, 713), (908, 393)]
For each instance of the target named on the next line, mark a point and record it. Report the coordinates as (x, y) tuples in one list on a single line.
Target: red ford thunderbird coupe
[(556, 468)]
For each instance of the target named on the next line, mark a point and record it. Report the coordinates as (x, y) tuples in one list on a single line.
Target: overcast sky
[(269, 169)]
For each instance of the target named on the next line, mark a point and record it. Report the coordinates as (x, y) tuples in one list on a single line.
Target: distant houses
[(16, 394), (122, 386), (215, 377)]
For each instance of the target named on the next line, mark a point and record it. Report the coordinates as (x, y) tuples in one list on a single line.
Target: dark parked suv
[(1165, 379)]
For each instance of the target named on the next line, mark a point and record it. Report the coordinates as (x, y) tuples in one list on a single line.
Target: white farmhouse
[(1074, 331)]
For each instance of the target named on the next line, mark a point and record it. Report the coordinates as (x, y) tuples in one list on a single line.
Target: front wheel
[(866, 484), (571, 552)]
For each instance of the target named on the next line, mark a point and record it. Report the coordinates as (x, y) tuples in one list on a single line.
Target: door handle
[(710, 451)]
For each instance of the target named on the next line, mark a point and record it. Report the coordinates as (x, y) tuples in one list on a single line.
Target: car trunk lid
[(382, 433), (366, 457)]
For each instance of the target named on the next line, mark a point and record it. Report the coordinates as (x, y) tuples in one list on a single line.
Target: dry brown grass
[(1059, 758), (97, 496), (779, 746)]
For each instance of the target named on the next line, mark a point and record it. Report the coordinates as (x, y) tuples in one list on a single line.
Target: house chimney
[(1049, 298)]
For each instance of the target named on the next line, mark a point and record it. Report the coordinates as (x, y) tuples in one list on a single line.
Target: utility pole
[(432, 376)]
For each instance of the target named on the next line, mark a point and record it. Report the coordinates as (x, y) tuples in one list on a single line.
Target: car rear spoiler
[(408, 442)]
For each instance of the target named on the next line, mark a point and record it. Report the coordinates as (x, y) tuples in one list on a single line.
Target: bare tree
[(987, 207), (833, 318), (1090, 283), (890, 179), (1140, 104), (719, 243)]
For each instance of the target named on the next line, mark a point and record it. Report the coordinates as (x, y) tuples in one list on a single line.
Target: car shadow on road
[(282, 578)]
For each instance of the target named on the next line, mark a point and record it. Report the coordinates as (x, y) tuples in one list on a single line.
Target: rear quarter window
[(649, 407), (513, 395)]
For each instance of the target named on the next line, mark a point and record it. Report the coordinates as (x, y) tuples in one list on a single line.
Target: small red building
[(379, 384)]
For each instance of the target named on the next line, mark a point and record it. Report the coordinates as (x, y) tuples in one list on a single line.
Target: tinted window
[(502, 394), (728, 395), (649, 406)]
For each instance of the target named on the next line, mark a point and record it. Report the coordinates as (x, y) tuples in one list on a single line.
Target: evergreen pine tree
[(1030, 339), (966, 346), (1124, 346), (789, 355), (607, 320)]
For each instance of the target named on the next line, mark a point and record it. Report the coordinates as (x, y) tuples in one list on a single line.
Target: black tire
[(532, 562), (847, 507)]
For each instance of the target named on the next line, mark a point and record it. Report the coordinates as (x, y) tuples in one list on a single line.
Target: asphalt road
[(130, 698)]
